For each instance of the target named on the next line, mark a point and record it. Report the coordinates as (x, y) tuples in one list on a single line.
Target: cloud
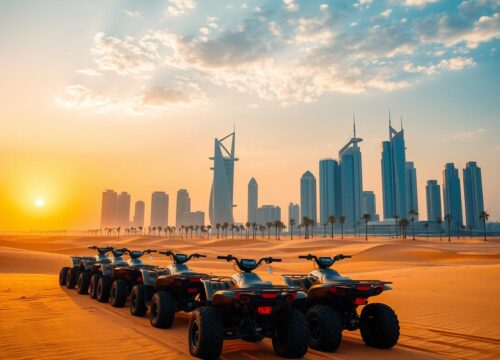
[(291, 5), (180, 7), (181, 94), (132, 14), (468, 135), (89, 72), (417, 3), (452, 64), (386, 13)]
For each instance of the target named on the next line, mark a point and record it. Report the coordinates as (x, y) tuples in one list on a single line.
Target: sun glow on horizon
[(40, 202)]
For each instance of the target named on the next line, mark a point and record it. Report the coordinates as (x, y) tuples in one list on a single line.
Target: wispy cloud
[(89, 72), (180, 7), (132, 14), (468, 135)]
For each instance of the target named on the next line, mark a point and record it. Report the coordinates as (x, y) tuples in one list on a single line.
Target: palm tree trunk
[(366, 231), (484, 228)]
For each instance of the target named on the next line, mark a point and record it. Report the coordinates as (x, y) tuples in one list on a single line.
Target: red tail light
[(194, 279), (360, 301), (264, 310), (192, 290), (174, 281), (269, 295), (139, 279), (243, 298), (362, 288), (337, 291)]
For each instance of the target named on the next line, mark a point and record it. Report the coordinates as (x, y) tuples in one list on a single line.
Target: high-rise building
[(433, 197), (473, 194), (411, 188), (452, 196), (196, 218), (221, 195), (183, 205), (394, 174), (308, 196), (368, 205), (123, 209), (351, 180), (159, 209), (139, 213), (253, 201), (109, 209), (268, 213), (294, 213), (329, 189)]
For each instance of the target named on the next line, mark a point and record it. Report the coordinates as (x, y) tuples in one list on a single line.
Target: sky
[(129, 95)]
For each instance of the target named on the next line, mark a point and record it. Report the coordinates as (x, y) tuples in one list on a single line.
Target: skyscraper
[(394, 174), (268, 213), (329, 189), (109, 207), (139, 213), (433, 196), (159, 209), (294, 213), (368, 205), (452, 197), (221, 195), (308, 196), (183, 206), (351, 179), (253, 201), (473, 194), (123, 209), (196, 218), (411, 188)]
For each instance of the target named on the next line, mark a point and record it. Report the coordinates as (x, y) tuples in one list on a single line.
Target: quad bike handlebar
[(101, 250), (118, 252), (137, 253), (181, 258), (247, 265), (324, 262)]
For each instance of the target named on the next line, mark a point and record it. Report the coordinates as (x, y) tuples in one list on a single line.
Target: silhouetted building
[(473, 194), (109, 209), (308, 196), (123, 209), (452, 196), (268, 214), (329, 189), (368, 205), (253, 201), (294, 213), (139, 213), (196, 218), (183, 205), (159, 209), (433, 197), (411, 189)]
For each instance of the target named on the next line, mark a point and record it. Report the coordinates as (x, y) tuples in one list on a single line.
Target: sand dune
[(446, 297)]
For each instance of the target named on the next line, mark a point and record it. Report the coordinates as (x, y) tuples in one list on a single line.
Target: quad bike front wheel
[(103, 289), (94, 280), (290, 338), (71, 278), (62, 275), (162, 310), (379, 326), (325, 328), (118, 293), (138, 301), (206, 333), (83, 283)]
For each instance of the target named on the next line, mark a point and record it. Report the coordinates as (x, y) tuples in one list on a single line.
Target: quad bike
[(167, 291), (246, 307), (72, 276), (123, 278), (101, 275), (332, 302)]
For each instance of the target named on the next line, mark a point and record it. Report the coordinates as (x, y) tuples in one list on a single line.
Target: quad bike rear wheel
[(63, 275), (162, 310), (103, 289), (83, 283), (71, 278), (379, 326), (290, 338), (94, 280), (137, 301), (118, 293), (325, 328), (206, 333)]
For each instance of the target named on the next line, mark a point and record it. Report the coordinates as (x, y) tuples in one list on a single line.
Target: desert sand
[(446, 296)]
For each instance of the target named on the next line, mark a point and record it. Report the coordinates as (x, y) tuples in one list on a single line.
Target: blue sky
[(290, 74)]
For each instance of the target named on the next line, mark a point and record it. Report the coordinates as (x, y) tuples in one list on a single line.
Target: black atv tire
[(62, 275), (138, 301), (206, 333), (290, 338), (118, 293), (379, 326), (325, 328), (252, 338), (103, 289), (71, 278), (94, 280), (83, 283), (162, 312)]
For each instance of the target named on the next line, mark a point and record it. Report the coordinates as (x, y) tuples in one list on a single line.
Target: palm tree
[(439, 221), (247, 225), (217, 226), (342, 222), (268, 225), (254, 229), (277, 228), (292, 222), (159, 231), (404, 224), (209, 227), (426, 225), (225, 226), (299, 227), (366, 218), (324, 228), (332, 220), (484, 216), (447, 218), (396, 218), (413, 214), (305, 223)]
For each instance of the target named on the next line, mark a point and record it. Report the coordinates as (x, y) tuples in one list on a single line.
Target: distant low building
[(196, 218), (268, 213)]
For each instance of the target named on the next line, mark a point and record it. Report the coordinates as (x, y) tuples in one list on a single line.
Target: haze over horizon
[(130, 95)]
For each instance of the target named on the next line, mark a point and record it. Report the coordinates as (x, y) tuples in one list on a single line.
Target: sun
[(40, 202)]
